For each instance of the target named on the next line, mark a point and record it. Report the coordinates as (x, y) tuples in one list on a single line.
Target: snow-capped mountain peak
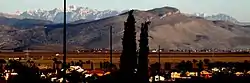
[(201, 14), (74, 13), (219, 16)]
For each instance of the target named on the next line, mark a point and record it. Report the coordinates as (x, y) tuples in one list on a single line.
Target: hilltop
[(169, 28)]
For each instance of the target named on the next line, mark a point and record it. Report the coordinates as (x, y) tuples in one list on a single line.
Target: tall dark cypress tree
[(143, 54), (128, 59)]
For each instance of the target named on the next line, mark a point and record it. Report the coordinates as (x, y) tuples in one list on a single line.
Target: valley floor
[(45, 58)]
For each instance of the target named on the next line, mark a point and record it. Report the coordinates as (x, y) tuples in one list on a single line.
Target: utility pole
[(27, 54), (213, 54), (64, 43), (159, 55), (159, 60), (110, 44)]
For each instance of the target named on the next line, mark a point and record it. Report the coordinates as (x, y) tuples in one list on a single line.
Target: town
[(174, 65)]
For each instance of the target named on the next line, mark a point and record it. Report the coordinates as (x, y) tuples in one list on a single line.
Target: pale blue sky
[(240, 9)]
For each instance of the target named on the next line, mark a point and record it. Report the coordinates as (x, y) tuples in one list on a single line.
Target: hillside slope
[(169, 28)]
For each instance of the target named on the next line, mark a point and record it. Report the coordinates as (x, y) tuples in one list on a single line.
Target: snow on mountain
[(223, 17), (74, 13), (8, 15), (219, 16)]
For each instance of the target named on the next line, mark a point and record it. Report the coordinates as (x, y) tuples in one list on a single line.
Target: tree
[(2, 61), (112, 67), (189, 66), (181, 66), (25, 74), (206, 61), (80, 63), (74, 77), (101, 65), (72, 63), (246, 65), (128, 59), (194, 63), (92, 65), (143, 54), (106, 65), (154, 70), (167, 66), (54, 63), (200, 67)]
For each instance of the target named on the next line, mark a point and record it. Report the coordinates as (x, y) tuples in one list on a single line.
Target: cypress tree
[(128, 59), (143, 54)]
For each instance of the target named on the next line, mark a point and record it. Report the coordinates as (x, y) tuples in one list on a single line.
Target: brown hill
[(169, 28)]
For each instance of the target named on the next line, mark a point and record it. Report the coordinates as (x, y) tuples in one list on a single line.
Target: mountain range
[(75, 13), (169, 28), (219, 16)]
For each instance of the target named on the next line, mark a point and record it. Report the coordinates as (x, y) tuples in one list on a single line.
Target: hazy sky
[(240, 9)]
